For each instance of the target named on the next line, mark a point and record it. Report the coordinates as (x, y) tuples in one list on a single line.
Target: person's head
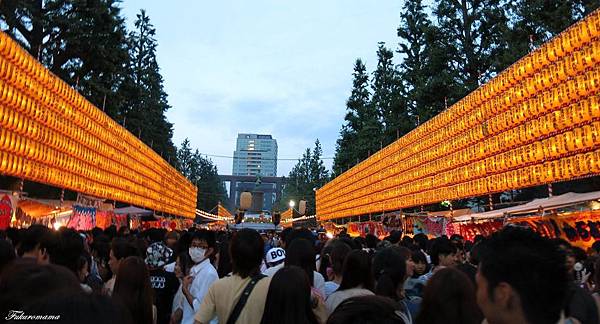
[(300, 253), (443, 253), (24, 282), (224, 265), (171, 239), (357, 271), (76, 308), (67, 250), (7, 253), (371, 241), (299, 233), (366, 310), (183, 264), (203, 246), (407, 255), (394, 237), (100, 250), (123, 231), (339, 251), (158, 255), (275, 256), (422, 241), (83, 267), (289, 298), (119, 249), (34, 243), (420, 261), (283, 236), (133, 289), (522, 276), (449, 297), (246, 250), (407, 241), (389, 270)]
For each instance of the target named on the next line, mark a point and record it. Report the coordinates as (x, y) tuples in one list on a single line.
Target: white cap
[(275, 255)]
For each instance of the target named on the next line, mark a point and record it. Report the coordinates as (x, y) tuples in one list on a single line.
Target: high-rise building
[(255, 155)]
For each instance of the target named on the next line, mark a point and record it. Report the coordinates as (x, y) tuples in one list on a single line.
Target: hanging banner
[(578, 228), (486, 228), (6, 209), (362, 229), (83, 218)]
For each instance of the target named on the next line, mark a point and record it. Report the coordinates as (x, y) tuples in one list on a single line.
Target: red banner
[(579, 228), (5, 212)]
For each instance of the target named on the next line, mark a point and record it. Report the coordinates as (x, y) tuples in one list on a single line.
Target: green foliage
[(306, 176), (203, 173)]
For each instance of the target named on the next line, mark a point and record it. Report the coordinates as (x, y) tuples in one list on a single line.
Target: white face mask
[(197, 254)]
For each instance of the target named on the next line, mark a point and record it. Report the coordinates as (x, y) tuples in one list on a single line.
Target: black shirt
[(165, 285)]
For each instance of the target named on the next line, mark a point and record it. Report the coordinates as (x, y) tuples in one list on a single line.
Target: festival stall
[(574, 217)]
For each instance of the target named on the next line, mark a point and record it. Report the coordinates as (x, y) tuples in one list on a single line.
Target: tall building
[(255, 155)]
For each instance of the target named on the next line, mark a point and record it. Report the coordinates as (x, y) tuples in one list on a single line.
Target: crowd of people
[(295, 276)]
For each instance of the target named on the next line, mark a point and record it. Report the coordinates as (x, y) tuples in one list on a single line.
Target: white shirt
[(318, 280), (204, 276)]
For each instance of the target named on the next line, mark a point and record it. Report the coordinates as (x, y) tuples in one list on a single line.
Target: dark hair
[(121, 248), (32, 237), (357, 271), (394, 237), (122, 230), (224, 266), (407, 241), (325, 257), (475, 251), (371, 241), (506, 254), (82, 308), (7, 253), (207, 236), (300, 233), (67, 250), (300, 253), (422, 241), (449, 297), (366, 310), (24, 282), (441, 246), (185, 263), (111, 231), (389, 270), (289, 298), (133, 289), (596, 246), (246, 250), (419, 257), (339, 251)]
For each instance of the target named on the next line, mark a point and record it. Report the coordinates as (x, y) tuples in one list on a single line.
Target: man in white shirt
[(202, 274)]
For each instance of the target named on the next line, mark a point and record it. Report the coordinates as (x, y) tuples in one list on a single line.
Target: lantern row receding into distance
[(537, 122), (49, 133)]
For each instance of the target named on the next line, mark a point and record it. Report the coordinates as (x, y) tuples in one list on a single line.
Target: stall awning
[(567, 199), (132, 210)]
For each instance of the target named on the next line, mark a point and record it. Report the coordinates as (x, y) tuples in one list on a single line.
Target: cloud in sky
[(274, 67)]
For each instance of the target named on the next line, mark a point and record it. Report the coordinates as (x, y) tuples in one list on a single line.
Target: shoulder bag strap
[(237, 310)]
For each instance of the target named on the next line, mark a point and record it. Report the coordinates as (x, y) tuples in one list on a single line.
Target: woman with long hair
[(289, 298), (390, 269), (133, 289), (449, 297), (357, 279)]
